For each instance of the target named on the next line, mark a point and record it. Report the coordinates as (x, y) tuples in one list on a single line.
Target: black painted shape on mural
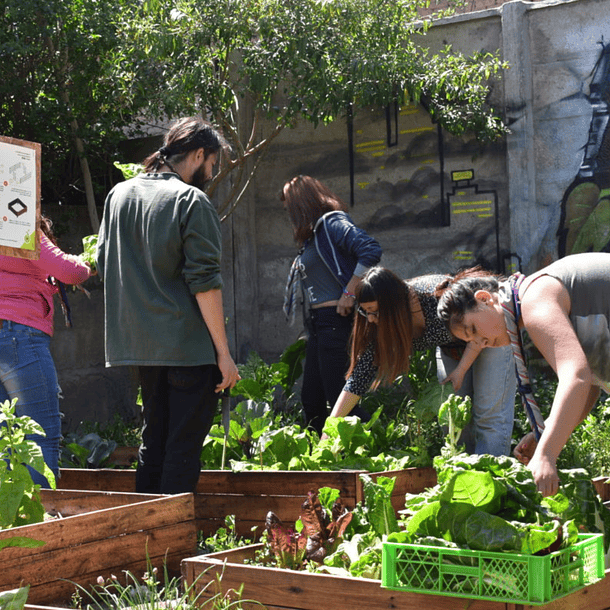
[(465, 198), (584, 225)]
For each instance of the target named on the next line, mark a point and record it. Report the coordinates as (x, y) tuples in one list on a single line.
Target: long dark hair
[(392, 336), (184, 136), (307, 199), (456, 294)]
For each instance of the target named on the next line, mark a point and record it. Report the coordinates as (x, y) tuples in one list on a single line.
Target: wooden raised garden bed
[(250, 495), (98, 534), (280, 589)]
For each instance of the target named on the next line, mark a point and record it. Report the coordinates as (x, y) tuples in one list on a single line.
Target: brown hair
[(307, 199), (392, 336), (184, 136)]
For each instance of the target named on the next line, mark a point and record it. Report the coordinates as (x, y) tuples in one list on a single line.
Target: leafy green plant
[(129, 170), (454, 413), (589, 444), (327, 538), (20, 498), (15, 599), (259, 380), (224, 539), (88, 451), (491, 503), (125, 433), (89, 250)]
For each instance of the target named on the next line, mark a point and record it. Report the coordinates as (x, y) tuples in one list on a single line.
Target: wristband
[(347, 293)]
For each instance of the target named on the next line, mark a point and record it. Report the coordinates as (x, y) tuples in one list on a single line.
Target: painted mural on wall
[(585, 210), (439, 194)]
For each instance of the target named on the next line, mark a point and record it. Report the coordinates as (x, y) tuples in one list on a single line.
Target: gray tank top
[(587, 279)]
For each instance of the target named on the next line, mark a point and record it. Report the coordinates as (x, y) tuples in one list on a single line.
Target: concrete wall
[(550, 175)]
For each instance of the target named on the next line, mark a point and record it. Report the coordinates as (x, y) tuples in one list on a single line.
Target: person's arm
[(67, 268), (456, 377), (210, 305), (344, 405), (364, 248), (347, 302), (545, 308)]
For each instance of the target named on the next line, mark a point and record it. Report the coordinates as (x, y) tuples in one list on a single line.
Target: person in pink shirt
[(27, 370)]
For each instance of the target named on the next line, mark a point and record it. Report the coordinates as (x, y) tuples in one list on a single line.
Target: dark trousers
[(326, 362), (179, 407)]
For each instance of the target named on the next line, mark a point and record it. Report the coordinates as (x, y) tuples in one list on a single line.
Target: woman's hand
[(456, 378), (545, 474), (524, 451), (345, 306), (544, 468)]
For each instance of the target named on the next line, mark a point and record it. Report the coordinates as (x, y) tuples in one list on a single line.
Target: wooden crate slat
[(68, 502), (60, 591), (278, 588), (85, 558), (602, 486), (276, 483), (117, 521), (85, 546), (102, 479)]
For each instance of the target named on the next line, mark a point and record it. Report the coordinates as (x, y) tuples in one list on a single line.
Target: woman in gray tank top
[(565, 309)]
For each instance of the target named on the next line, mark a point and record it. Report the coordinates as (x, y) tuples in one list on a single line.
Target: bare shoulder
[(543, 293)]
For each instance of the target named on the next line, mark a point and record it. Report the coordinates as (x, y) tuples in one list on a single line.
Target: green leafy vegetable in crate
[(491, 503)]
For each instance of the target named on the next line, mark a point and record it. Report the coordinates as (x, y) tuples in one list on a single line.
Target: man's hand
[(230, 374)]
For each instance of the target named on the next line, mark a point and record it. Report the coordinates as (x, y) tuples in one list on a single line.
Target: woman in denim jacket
[(334, 254)]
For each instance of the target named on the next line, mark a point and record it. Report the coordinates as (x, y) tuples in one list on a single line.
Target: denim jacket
[(345, 249)]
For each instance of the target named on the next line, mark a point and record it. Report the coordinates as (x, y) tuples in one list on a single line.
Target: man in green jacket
[(159, 251)]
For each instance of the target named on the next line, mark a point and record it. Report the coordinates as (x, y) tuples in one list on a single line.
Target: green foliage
[(125, 433), (224, 539), (79, 77), (129, 170), (454, 413), (589, 444), (88, 451), (90, 250), (329, 539), (15, 599), (152, 593), (401, 433), (491, 503), (259, 380), (20, 502)]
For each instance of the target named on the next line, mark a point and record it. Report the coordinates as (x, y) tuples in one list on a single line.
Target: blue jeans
[(491, 382), (27, 372)]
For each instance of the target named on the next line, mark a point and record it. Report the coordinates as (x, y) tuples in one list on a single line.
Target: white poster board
[(19, 198)]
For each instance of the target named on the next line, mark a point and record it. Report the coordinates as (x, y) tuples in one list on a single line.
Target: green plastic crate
[(495, 576)]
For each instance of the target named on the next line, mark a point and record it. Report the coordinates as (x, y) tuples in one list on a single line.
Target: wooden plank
[(103, 479), (112, 522), (276, 483), (68, 502), (82, 547), (293, 590), (602, 486)]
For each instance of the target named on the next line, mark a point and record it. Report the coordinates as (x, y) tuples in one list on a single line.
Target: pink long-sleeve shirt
[(26, 295)]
